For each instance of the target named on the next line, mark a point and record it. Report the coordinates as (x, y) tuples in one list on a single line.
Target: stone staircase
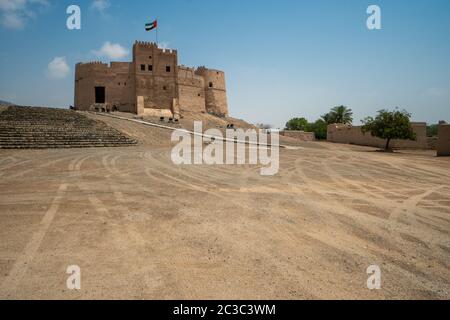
[(40, 128)]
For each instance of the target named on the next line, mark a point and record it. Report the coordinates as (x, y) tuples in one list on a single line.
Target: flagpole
[(156, 27)]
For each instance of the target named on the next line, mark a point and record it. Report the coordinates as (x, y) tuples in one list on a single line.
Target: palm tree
[(340, 114), (327, 118)]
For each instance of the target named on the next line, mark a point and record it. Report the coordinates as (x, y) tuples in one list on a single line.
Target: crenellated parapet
[(92, 63), (205, 70), (145, 45)]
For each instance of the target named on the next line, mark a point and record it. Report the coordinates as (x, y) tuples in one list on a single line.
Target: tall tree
[(319, 128), (432, 130), (390, 125), (300, 124), (340, 114), (327, 118)]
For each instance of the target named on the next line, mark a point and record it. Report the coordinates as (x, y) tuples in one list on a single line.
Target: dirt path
[(140, 227)]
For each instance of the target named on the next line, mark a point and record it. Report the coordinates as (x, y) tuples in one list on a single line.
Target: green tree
[(390, 125), (340, 114), (319, 128), (300, 124), (432, 130), (327, 118)]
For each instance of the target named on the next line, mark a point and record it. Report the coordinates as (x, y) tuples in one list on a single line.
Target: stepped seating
[(40, 128)]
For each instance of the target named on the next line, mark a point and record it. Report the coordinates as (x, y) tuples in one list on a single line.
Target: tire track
[(20, 267)]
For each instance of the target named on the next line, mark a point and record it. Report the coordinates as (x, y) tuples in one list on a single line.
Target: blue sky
[(282, 58)]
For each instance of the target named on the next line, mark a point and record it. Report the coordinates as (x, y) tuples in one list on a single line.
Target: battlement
[(145, 44), (90, 63), (152, 45), (203, 70), (182, 66), (98, 65), (214, 79)]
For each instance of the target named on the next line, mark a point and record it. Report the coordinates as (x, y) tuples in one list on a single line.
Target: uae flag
[(151, 25)]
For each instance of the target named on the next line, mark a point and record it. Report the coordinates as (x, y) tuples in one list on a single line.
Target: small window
[(164, 87), (167, 68), (210, 84), (119, 83), (125, 84), (199, 95), (150, 67), (149, 57), (142, 67)]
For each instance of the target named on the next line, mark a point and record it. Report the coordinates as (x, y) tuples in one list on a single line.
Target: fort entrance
[(100, 95)]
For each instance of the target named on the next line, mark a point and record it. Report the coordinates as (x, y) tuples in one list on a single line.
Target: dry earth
[(141, 227)]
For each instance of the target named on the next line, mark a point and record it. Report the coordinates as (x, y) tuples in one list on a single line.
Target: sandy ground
[(141, 227)]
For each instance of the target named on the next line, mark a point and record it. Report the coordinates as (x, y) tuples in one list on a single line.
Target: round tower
[(215, 91)]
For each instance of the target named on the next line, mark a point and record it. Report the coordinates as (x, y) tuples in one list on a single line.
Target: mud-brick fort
[(153, 84)]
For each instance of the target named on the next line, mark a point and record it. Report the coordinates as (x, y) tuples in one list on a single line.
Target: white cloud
[(111, 51), (15, 13), (12, 5), (12, 20), (58, 68), (100, 5)]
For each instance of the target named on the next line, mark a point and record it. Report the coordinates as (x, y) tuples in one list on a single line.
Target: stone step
[(29, 127), (77, 145), (58, 136), (61, 135), (60, 146), (10, 142), (48, 129), (16, 130)]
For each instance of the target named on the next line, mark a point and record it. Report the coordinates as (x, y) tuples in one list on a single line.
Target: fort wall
[(343, 133), (443, 143), (191, 90), (120, 90), (299, 135)]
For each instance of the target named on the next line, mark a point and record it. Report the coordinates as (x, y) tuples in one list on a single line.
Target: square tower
[(156, 74)]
